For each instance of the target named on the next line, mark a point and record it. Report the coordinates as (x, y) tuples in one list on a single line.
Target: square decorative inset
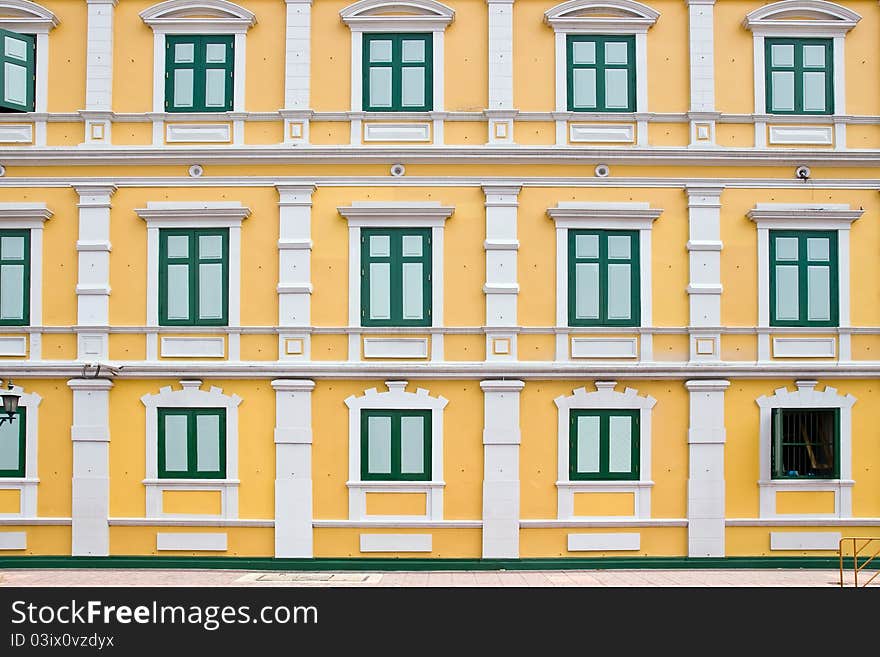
[(97, 131), (501, 130), (296, 130), (705, 346), (294, 346), (501, 346)]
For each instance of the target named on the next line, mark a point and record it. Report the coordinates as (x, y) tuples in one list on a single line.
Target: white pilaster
[(294, 270), (93, 282), (297, 72), (90, 433), (99, 72), (706, 496), (500, 111), (293, 467), (501, 440), (701, 23), (704, 287), (501, 287)]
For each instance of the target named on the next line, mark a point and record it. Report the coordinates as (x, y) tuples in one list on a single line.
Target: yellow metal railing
[(866, 547)]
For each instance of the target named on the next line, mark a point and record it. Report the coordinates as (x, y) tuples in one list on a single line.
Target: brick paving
[(505, 578)]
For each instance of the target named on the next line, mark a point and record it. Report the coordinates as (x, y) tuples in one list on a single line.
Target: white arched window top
[(604, 398), (396, 398), (212, 16), (397, 16), (27, 17), (806, 396), (601, 16), (190, 395), (801, 17)]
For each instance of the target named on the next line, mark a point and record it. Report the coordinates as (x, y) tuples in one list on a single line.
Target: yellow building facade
[(485, 280)]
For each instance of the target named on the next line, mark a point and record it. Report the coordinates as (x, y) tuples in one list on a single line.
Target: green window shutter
[(398, 72), (601, 73), (192, 443), (199, 73), (17, 71), (193, 277), (803, 278), (396, 277), (603, 278), (395, 445), (12, 445), (15, 274), (604, 445), (799, 76)]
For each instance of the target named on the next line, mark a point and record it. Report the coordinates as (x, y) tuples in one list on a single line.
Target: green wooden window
[(17, 71), (603, 278), (12, 445), (396, 277), (803, 278), (199, 73), (193, 277), (15, 275), (806, 443), (799, 76), (603, 444), (395, 445), (398, 72), (601, 73), (192, 443)]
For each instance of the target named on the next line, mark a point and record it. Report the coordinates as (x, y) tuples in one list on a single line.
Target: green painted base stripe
[(360, 563)]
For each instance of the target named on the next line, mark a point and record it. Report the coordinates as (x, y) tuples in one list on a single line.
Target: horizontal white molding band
[(399, 524), (604, 523), (802, 521), (17, 521), (188, 522)]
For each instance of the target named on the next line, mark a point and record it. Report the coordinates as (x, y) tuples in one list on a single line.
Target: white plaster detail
[(395, 347), (396, 398), (396, 542), (608, 216), (191, 396), (197, 133), (293, 468), (704, 259), (501, 286), (604, 398), (294, 268), (804, 347), (418, 132), (192, 347), (806, 396), (819, 135), (13, 540), (99, 72), (201, 541), (297, 71), (804, 540), (701, 42), (601, 133), (603, 542), (500, 110), (604, 347), (12, 133), (13, 345)]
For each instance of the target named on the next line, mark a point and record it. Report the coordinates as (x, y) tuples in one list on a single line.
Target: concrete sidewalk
[(520, 578)]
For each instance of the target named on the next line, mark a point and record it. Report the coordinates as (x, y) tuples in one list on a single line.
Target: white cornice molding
[(26, 17), (210, 16), (601, 17), (31, 213), (634, 216), (605, 397), (162, 214), (797, 215), (384, 213), (190, 396), (806, 396), (397, 15), (801, 18), (396, 398)]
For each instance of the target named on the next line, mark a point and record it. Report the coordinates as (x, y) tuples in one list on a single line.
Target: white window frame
[(605, 398), (396, 398), (190, 396), (603, 216), (30, 216), (27, 485), (795, 216), (197, 215), (806, 396), (390, 214), (796, 19)]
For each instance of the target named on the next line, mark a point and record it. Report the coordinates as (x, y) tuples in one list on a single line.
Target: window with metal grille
[(805, 443)]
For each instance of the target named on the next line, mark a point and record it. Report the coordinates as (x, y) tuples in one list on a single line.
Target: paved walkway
[(617, 578)]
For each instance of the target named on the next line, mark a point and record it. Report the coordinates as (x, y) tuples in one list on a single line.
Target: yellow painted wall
[(465, 133), (67, 57), (241, 541), (604, 504), (41, 539), (662, 542), (788, 502), (446, 543), (10, 500), (54, 449), (396, 504), (133, 64), (208, 502), (669, 134)]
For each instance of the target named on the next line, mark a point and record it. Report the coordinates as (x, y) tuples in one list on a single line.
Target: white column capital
[(707, 191), (90, 384), (707, 385), (87, 189), (700, 2), (293, 385), (102, 2), (502, 386)]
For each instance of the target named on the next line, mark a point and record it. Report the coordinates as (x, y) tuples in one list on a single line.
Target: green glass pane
[(11, 292), (215, 87), (619, 247), (584, 87), (617, 88), (586, 246), (818, 293), (587, 453), (210, 246), (184, 53), (412, 86), (619, 292), (183, 87), (379, 445), (207, 443), (178, 292), (583, 52), (380, 87), (782, 54), (814, 56), (787, 292), (12, 248), (380, 51), (16, 48), (411, 246), (818, 248), (413, 51), (814, 91), (616, 52), (10, 445), (413, 286), (620, 443), (175, 443), (783, 90), (215, 53), (786, 248), (412, 445), (211, 291), (380, 290), (178, 246), (587, 290), (15, 83), (380, 246)]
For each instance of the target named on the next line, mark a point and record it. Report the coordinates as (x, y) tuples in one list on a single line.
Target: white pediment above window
[(601, 17), (396, 213), (198, 16), (397, 15), (26, 17), (834, 216), (801, 18)]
